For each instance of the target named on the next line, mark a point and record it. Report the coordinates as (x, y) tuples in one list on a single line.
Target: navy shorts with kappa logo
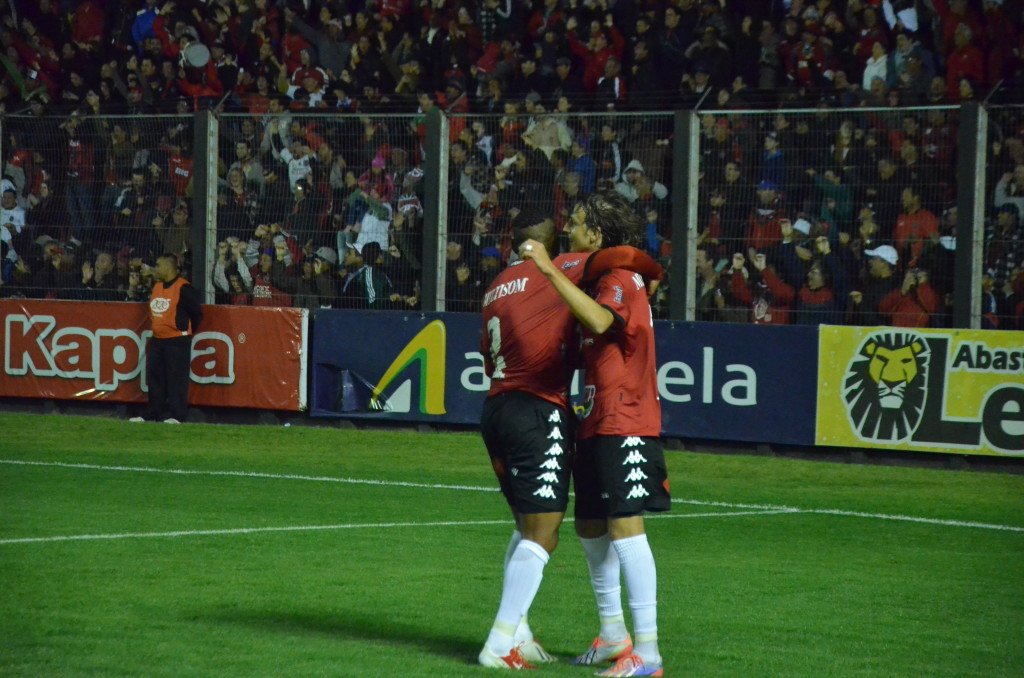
[(530, 442), (620, 476)]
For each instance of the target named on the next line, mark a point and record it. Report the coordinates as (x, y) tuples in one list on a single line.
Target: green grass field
[(224, 551)]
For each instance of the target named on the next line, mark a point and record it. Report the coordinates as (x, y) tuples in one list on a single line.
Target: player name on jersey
[(505, 289)]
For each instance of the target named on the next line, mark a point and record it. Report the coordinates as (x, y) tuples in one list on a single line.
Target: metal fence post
[(685, 175), (435, 222), (970, 220), (204, 207)]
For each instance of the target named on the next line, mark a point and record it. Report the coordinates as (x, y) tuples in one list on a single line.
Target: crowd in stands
[(804, 217)]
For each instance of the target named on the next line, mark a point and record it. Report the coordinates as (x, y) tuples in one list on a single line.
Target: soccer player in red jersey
[(619, 471), (529, 336)]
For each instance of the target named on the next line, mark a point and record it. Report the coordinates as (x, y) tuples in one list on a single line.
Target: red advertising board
[(67, 350)]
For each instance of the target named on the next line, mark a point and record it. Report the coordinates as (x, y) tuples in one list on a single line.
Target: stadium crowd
[(833, 214)]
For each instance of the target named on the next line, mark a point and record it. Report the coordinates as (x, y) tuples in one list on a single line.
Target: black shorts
[(618, 477), (530, 443)]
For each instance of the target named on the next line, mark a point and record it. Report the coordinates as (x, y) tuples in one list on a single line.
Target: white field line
[(304, 528), (765, 508)]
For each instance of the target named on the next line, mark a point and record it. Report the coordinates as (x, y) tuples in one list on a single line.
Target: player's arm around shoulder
[(588, 312)]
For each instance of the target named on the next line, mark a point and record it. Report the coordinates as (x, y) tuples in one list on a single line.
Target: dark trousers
[(168, 373)]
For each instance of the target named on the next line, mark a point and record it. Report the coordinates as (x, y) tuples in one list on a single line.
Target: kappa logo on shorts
[(634, 457), (556, 434), (552, 464), (638, 492), (549, 477), (635, 476), (555, 418), (632, 441), (545, 492), (554, 451)]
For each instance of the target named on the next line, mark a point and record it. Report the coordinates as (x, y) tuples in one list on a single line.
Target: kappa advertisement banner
[(715, 381), (957, 391), (241, 357)]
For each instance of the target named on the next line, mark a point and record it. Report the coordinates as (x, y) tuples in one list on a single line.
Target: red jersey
[(621, 386), (179, 173), (529, 330)]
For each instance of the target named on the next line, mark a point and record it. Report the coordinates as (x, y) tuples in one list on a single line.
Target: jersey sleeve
[(623, 256)]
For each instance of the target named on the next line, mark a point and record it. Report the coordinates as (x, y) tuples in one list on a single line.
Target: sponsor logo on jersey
[(549, 477), (552, 464), (555, 450), (556, 434)]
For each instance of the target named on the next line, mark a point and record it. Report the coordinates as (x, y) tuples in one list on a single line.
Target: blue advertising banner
[(716, 381)]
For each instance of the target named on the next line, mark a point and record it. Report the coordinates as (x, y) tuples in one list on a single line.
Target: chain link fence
[(802, 216)]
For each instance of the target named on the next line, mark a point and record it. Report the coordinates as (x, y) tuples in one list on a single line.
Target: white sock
[(523, 575), (642, 592), (603, 562), (523, 632)]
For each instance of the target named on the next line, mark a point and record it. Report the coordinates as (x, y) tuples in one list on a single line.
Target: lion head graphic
[(885, 384)]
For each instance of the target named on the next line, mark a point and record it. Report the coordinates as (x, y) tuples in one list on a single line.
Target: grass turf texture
[(766, 594)]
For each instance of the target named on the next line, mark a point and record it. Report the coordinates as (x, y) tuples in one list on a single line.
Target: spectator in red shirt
[(965, 61), (914, 226), (597, 51), (913, 304)]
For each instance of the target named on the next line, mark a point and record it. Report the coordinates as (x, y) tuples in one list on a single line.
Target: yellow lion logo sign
[(885, 384)]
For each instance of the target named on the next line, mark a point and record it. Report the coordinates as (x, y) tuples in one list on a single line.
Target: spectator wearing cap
[(313, 285), (914, 226), (764, 223), (876, 283)]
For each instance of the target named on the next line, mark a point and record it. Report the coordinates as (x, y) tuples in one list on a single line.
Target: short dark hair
[(370, 253), (533, 222)]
